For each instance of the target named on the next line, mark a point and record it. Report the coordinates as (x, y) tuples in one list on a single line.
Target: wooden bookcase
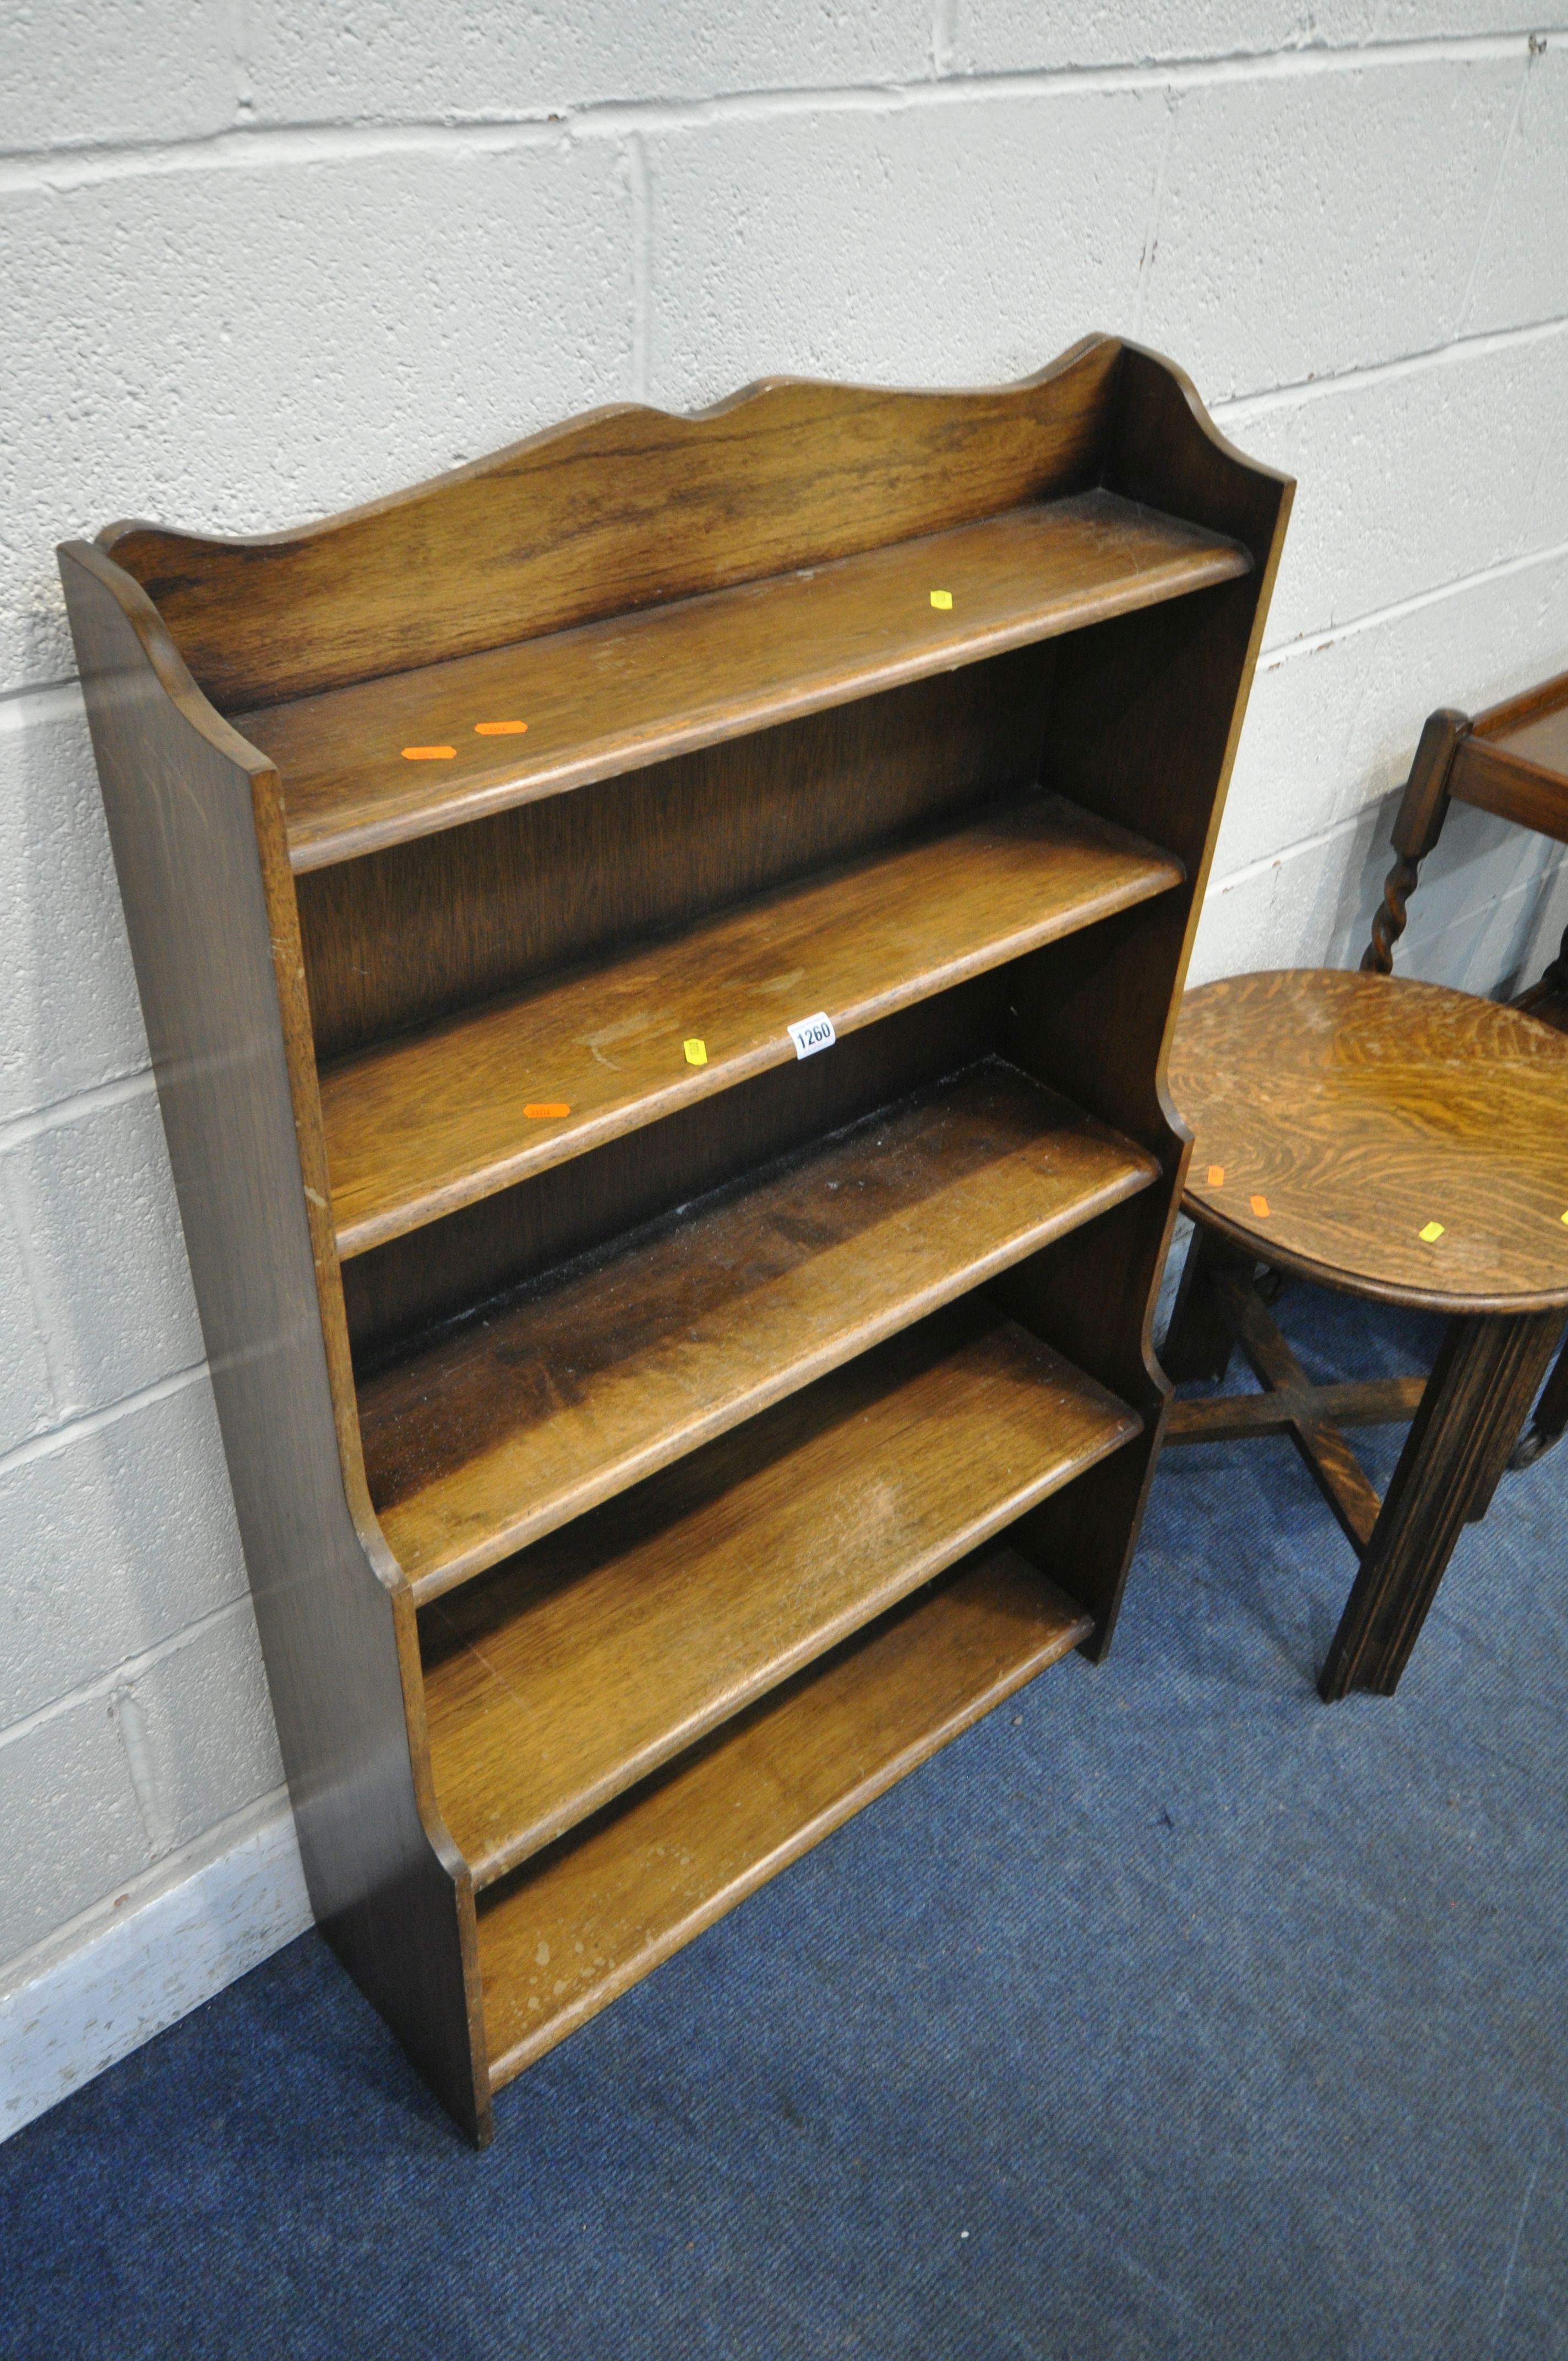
[(641, 1464)]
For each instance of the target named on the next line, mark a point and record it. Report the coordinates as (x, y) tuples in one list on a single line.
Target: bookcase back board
[(653, 1433)]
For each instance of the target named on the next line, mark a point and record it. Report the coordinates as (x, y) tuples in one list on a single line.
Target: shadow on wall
[(1490, 907), (1487, 917)]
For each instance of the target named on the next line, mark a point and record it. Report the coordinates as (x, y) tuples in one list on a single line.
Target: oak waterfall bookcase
[(651, 1440)]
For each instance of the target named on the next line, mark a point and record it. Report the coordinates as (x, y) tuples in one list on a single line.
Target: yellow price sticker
[(942, 598), (697, 1052), (1433, 1232)]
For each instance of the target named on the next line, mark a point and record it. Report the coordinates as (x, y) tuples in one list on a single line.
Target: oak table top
[(1395, 1139)]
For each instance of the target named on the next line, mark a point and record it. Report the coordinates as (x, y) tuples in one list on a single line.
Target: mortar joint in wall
[(123, 1677), (129, 1714), (248, 141), (146, 1885), (942, 36)]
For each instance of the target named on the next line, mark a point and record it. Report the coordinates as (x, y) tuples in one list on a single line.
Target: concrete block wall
[(265, 261)]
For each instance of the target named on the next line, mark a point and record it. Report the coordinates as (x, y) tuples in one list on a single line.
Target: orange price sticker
[(1216, 1176), (540, 1108), (499, 729), (1260, 1207), (429, 754)]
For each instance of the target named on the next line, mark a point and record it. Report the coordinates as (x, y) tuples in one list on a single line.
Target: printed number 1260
[(813, 1033)]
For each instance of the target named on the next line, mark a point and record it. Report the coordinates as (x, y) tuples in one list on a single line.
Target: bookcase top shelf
[(610, 695)]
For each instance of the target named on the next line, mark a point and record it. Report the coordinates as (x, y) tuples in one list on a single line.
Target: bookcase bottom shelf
[(612, 1647), (582, 1922)]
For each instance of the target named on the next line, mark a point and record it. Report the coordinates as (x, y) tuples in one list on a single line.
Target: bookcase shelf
[(650, 1441), (420, 1126), (591, 1917), (500, 1428), (588, 1662), (617, 695)]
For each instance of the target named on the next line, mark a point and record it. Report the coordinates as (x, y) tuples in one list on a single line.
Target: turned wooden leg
[(1389, 919), (1480, 1389), (1417, 827), (1550, 1417), (1556, 976), (1201, 1338), (1548, 999)]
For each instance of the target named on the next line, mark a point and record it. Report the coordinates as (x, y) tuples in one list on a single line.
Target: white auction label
[(813, 1033)]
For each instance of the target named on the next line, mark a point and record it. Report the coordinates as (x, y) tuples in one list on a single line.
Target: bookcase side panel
[(389, 1891), (1145, 714)]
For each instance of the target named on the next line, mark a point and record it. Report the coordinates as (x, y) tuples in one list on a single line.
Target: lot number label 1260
[(813, 1033)]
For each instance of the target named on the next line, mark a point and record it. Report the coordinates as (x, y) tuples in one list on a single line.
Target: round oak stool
[(1395, 1140)]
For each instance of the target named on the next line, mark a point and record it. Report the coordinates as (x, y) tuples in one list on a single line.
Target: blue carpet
[(1169, 2012)]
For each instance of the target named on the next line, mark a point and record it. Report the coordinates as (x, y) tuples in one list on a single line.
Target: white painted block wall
[(262, 261)]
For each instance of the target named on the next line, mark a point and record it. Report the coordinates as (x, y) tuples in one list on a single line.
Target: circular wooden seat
[(1368, 1113), (1396, 1140)]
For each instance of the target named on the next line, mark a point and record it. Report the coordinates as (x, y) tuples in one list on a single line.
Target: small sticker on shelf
[(942, 598), (697, 1052), (1216, 1176), (430, 753), (1433, 1232), (539, 1109), (499, 729), (810, 1034), (1565, 1217), (1260, 1207)]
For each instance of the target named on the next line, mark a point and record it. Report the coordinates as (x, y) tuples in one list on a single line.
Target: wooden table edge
[(1348, 1282)]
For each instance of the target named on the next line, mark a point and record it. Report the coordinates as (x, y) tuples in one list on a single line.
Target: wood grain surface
[(1324, 1448), (405, 936), (605, 1650), (1144, 717), (1495, 779), (502, 1427), (1363, 1108), (605, 1907), (1532, 728), (1544, 742), (615, 695), (720, 634), (192, 827), (1476, 1403), (413, 1283), (427, 1124), (626, 507), (1418, 824), (1547, 1001), (1513, 759), (1236, 1418)]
